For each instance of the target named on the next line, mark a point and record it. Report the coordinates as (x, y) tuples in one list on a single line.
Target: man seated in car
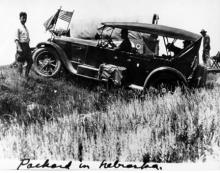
[(171, 47), (176, 50), (125, 44)]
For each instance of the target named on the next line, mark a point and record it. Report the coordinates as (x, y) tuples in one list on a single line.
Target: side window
[(145, 44)]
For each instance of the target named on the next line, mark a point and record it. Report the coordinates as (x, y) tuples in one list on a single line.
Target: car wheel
[(162, 86), (46, 62)]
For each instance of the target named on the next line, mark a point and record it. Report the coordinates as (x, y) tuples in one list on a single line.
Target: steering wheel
[(108, 43)]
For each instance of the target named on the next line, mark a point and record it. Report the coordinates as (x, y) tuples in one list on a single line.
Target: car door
[(187, 59)]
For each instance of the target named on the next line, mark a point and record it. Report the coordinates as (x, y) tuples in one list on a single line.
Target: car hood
[(77, 41)]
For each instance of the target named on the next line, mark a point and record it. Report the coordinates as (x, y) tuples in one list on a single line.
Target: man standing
[(22, 40), (206, 46)]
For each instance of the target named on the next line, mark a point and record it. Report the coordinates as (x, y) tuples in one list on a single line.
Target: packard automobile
[(160, 56)]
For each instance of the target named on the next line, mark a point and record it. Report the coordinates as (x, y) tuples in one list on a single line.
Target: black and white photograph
[(110, 85)]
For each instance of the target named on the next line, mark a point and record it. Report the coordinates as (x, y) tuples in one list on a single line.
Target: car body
[(144, 67)]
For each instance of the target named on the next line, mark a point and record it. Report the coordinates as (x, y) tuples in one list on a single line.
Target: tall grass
[(64, 121)]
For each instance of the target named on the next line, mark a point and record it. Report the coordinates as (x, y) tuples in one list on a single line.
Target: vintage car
[(154, 61)]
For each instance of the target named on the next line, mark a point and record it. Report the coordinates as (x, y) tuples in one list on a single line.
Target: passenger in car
[(176, 50), (171, 47), (151, 44), (126, 44), (186, 43)]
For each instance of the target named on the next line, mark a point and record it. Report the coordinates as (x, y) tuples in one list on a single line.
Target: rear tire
[(165, 86), (162, 83)]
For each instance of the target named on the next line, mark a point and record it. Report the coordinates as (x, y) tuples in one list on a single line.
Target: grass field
[(62, 119)]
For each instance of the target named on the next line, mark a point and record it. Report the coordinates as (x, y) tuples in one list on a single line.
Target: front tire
[(46, 62)]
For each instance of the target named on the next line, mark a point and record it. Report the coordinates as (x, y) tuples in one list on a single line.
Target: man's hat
[(203, 31)]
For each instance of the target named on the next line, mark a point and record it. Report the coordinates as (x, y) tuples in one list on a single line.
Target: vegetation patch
[(62, 119)]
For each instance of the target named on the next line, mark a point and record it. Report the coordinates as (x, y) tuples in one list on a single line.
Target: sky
[(191, 15)]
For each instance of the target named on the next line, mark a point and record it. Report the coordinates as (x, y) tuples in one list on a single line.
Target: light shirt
[(22, 34)]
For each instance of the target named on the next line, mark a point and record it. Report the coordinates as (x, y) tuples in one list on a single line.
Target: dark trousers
[(22, 57), (205, 55)]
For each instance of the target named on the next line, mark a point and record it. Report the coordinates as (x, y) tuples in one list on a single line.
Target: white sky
[(192, 15)]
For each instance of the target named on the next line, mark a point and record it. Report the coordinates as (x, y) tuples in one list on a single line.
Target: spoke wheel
[(46, 62), (162, 86)]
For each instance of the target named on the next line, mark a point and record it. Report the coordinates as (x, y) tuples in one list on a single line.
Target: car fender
[(61, 53), (164, 69)]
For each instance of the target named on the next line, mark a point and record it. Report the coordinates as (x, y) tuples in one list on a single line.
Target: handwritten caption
[(27, 164)]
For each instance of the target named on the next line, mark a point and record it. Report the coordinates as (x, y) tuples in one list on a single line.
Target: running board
[(90, 72), (92, 78), (86, 70)]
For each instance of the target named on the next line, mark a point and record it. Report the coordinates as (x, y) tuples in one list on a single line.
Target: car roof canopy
[(161, 30)]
